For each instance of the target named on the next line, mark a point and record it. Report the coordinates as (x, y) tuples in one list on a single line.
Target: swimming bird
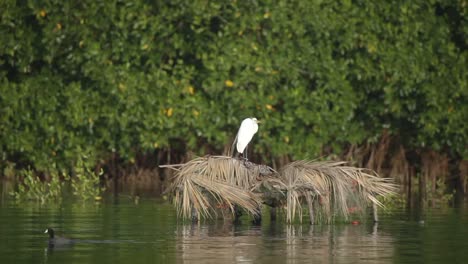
[(56, 240)]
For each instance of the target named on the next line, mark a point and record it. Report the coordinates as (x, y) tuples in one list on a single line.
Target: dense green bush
[(122, 77)]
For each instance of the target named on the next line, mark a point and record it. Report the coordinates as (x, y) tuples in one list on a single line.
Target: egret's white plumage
[(248, 128)]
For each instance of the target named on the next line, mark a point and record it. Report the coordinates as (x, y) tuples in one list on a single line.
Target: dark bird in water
[(56, 240)]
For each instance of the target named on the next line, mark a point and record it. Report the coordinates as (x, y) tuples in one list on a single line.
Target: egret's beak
[(258, 121)]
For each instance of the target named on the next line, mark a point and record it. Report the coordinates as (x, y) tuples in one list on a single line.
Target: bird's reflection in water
[(54, 248), (218, 243), (51, 247), (279, 243)]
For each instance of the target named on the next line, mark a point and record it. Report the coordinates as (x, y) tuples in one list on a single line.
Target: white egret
[(247, 130)]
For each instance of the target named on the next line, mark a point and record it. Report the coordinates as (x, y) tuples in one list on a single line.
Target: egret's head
[(255, 120)]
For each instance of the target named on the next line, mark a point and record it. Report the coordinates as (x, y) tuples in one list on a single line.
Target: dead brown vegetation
[(202, 184)]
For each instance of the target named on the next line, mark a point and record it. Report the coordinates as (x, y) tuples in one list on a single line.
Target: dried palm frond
[(202, 184), (333, 185), (327, 188)]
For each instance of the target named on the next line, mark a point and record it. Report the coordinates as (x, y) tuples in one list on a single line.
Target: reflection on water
[(225, 243), (218, 243), (121, 231)]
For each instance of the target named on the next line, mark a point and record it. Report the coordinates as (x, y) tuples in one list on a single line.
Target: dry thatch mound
[(204, 185), (332, 188)]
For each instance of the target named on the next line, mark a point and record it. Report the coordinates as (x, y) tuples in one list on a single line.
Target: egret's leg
[(234, 153)]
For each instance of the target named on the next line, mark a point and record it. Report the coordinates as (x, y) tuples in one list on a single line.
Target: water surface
[(119, 230)]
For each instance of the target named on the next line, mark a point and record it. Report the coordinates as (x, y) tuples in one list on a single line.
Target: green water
[(118, 230)]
